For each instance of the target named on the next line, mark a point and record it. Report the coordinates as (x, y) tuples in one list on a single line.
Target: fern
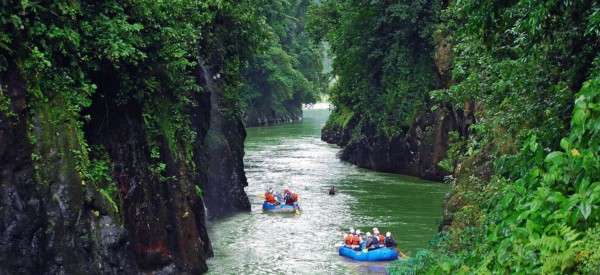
[(558, 251)]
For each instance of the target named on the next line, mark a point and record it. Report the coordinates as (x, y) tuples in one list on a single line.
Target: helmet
[(286, 191), (351, 230), (375, 229), (368, 234), (357, 231), (388, 234)]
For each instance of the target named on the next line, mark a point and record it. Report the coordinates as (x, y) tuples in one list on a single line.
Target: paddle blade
[(297, 211), (261, 196), (401, 254), (365, 250)]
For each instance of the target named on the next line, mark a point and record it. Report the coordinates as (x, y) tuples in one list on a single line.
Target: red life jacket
[(289, 199), (355, 240), (381, 239), (349, 239)]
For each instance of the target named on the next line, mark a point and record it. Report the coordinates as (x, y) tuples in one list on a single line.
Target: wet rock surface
[(415, 154), (220, 152), (47, 227), (255, 118), (53, 222)]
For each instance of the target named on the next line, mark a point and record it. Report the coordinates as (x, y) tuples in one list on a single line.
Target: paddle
[(261, 196), (297, 209), (401, 254)]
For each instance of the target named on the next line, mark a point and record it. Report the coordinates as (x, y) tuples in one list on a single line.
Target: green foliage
[(147, 52), (289, 71), (382, 59), (340, 118), (199, 191), (420, 264), (453, 153), (5, 105), (99, 173), (539, 213), (521, 62), (589, 256)]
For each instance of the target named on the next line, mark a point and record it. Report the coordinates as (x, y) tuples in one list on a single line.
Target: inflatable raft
[(380, 254), (282, 208)]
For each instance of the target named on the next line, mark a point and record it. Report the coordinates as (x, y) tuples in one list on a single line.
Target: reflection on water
[(293, 156)]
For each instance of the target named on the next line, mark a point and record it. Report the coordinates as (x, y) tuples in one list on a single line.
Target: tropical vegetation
[(289, 72), (525, 191)]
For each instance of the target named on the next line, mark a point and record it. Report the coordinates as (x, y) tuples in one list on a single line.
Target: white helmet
[(351, 230), (375, 231), (368, 234), (357, 231), (388, 234)]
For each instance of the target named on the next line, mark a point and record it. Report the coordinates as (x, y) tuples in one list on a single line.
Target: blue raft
[(282, 208), (380, 254)]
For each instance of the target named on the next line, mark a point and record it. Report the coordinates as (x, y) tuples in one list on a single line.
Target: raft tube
[(282, 208), (380, 254)]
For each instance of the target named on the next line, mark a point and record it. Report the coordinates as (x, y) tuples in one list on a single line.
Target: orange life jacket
[(349, 239), (381, 239), (269, 198), (295, 197), (355, 240)]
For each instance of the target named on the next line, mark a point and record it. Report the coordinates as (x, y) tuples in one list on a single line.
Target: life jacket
[(381, 239), (289, 199), (355, 240), (269, 198), (389, 242), (375, 241), (349, 239), (295, 197)]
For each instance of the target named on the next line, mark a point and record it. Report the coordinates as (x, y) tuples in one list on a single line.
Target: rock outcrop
[(220, 151), (51, 221), (254, 117), (425, 143), (155, 222), (415, 154)]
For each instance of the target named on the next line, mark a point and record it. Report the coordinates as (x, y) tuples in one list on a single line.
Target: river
[(291, 155)]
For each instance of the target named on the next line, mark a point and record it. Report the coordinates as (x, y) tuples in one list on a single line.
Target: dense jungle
[(139, 137)]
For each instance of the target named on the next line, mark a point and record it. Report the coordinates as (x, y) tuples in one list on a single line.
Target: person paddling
[(269, 197), (356, 240), (379, 237), (348, 237), (332, 190), (389, 241), (372, 242), (287, 197)]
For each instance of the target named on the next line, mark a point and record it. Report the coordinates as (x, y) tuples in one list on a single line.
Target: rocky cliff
[(149, 212), (425, 143), (51, 220), (415, 154)]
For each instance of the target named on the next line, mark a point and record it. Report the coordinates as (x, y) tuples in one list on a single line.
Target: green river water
[(291, 155)]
